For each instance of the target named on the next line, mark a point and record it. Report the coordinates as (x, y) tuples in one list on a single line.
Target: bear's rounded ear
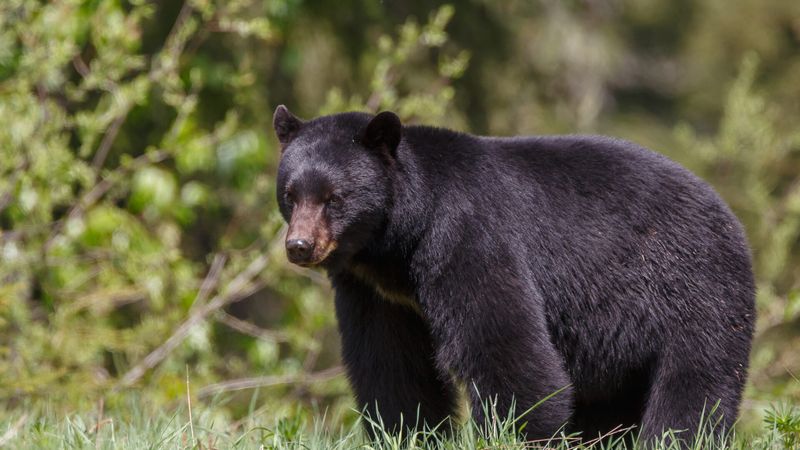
[(286, 125), (383, 133)]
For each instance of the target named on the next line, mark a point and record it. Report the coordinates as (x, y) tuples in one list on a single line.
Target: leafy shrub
[(136, 196)]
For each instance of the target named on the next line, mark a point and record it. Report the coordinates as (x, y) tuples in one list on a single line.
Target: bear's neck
[(386, 262)]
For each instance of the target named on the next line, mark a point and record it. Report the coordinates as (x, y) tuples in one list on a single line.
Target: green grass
[(207, 427)]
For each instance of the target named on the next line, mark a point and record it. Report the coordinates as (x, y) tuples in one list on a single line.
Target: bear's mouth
[(318, 257)]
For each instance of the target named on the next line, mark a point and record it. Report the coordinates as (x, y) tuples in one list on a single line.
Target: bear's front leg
[(388, 355), (489, 329)]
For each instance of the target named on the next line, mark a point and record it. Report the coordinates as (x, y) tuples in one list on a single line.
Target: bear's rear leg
[(688, 398)]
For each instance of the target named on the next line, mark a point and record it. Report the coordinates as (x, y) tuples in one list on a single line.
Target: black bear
[(521, 267)]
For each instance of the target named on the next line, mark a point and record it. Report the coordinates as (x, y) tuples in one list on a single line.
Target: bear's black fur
[(520, 266)]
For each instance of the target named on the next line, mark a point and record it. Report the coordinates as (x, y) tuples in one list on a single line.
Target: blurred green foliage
[(139, 236)]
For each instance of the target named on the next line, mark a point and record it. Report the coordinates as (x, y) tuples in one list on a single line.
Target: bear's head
[(334, 184)]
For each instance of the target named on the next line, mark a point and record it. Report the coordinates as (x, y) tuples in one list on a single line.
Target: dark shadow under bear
[(520, 266)]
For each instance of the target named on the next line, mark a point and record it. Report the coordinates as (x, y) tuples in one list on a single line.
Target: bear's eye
[(334, 200), (289, 197)]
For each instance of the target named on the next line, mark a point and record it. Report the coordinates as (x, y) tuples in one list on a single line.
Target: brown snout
[(308, 241)]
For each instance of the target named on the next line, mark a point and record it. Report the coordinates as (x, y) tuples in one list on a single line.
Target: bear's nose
[(299, 250)]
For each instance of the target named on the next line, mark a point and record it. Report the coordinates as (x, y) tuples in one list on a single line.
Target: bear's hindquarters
[(695, 395)]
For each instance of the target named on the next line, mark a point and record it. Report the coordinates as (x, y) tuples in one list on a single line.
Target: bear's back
[(618, 240), (635, 245)]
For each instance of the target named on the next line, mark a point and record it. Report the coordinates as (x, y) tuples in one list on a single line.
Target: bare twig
[(210, 281), (172, 43), (102, 187), (197, 40), (108, 139), (618, 430), (189, 404), (80, 65), (239, 288), (308, 363), (13, 430), (791, 374), (311, 274), (249, 329), (266, 381), (96, 430), (313, 355), (100, 422)]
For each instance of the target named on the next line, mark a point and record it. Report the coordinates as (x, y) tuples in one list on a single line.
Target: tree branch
[(267, 381), (108, 139), (249, 329), (239, 288)]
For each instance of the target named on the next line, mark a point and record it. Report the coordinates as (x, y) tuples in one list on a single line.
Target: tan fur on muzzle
[(309, 223)]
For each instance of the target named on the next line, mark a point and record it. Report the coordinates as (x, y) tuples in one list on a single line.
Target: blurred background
[(140, 244)]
